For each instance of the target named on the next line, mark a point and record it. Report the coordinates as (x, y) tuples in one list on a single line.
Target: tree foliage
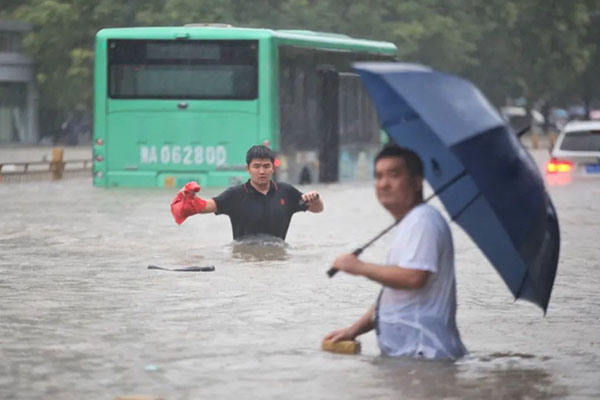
[(545, 51)]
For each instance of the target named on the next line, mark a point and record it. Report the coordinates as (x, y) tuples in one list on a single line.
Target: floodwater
[(83, 318)]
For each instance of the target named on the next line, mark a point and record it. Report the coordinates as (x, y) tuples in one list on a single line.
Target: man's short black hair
[(412, 160), (259, 151)]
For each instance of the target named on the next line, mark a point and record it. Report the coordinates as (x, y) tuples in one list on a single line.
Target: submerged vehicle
[(576, 153), (176, 104)]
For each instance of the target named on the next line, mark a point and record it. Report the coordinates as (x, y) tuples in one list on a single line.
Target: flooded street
[(83, 318)]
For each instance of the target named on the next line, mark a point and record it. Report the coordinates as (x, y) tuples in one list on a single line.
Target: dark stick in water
[(208, 268)]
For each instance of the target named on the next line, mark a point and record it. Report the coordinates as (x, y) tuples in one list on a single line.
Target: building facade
[(18, 89)]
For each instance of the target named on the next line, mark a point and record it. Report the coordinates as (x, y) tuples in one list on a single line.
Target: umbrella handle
[(332, 271)]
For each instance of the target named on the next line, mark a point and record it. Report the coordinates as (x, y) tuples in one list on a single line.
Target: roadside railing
[(58, 168)]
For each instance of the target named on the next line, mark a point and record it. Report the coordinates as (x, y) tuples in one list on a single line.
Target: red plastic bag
[(186, 203)]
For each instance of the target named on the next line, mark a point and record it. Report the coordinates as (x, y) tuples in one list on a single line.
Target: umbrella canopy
[(487, 181)]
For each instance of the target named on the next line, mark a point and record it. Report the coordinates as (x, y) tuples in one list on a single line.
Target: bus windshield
[(196, 69)]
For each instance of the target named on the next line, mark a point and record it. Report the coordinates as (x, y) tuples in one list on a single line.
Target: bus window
[(197, 69), (358, 122)]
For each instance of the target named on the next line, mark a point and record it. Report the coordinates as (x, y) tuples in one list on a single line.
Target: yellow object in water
[(343, 347)]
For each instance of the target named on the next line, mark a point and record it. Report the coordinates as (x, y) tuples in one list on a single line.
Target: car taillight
[(555, 165)]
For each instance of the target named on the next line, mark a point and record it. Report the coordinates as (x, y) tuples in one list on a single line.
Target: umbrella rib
[(446, 185), (402, 119), (455, 216)]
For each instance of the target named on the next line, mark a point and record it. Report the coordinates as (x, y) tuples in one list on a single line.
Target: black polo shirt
[(252, 212)]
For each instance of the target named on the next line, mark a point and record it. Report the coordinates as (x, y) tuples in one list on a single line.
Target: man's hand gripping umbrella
[(332, 271)]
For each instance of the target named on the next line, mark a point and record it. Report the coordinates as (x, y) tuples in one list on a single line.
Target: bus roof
[(301, 38)]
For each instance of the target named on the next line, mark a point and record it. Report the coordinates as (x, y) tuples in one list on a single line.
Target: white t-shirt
[(421, 323)]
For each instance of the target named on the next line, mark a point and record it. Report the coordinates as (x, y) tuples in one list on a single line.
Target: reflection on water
[(468, 379), (259, 248), (560, 179), (509, 355)]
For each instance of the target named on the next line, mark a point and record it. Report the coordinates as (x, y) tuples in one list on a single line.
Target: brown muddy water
[(82, 317)]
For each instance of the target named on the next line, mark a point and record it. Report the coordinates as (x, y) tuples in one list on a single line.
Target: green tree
[(62, 45), (536, 49), (180, 12), (8, 7), (529, 49), (550, 49), (497, 63), (585, 86)]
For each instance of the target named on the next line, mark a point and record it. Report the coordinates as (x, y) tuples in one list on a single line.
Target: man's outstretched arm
[(211, 207), (186, 203), (363, 325)]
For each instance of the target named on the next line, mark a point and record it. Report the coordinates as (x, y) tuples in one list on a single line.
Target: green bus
[(174, 104)]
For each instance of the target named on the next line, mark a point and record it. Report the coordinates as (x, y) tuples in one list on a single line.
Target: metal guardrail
[(54, 170)]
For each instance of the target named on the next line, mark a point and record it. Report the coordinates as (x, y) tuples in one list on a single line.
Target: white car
[(577, 150)]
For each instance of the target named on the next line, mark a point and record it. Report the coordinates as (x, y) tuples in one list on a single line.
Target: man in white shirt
[(415, 313)]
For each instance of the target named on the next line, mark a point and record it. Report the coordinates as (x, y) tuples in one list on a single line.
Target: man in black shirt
[(259, 206)]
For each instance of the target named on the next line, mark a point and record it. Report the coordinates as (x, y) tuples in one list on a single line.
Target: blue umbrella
[(486, 180)]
